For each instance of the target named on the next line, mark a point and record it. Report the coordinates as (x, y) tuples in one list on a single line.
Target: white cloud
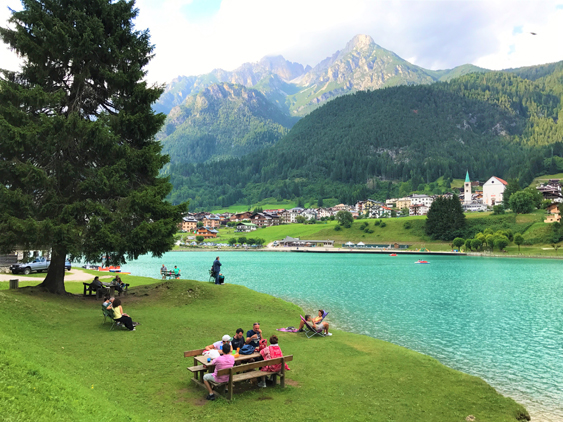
[(433, 34)]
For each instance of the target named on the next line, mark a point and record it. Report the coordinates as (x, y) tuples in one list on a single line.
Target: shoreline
[(368, 251), (302, 305)]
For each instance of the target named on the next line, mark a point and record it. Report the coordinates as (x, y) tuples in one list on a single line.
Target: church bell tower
[(467, 189)]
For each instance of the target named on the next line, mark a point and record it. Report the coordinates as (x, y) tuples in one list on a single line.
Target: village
[(475, 196)]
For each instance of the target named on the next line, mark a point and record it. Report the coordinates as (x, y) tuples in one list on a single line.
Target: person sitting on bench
[(219, 345), (119, 284), (226, 360), (96, 284), (273, 351), (120, 316), (238, 340)]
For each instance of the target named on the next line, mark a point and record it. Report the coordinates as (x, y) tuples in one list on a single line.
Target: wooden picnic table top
[(241, 358)]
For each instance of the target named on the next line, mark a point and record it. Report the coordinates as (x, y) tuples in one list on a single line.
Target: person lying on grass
[(120, 316), (226, 360), (318, 326), (220, 345), (272, 351)]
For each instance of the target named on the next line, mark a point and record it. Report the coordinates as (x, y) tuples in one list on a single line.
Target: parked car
[(38, 265)]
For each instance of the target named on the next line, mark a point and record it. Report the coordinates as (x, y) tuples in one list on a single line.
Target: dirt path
[(75, 275)]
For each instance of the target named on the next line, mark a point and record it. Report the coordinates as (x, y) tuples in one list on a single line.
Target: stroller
[(212, 277)]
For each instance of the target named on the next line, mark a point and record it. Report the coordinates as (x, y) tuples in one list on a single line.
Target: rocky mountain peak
[(360, 42)]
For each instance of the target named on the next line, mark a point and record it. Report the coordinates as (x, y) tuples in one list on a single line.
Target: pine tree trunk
[(55, 280)]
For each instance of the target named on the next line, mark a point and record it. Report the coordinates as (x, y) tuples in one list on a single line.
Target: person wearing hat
[(218, 345)]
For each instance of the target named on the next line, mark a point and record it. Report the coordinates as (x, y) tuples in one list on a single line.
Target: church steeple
[(467, 189)]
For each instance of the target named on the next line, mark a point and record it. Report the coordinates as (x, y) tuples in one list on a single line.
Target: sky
[(193, 37)]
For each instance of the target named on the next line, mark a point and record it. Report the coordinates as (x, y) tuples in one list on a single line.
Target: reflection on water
[(499, 319)]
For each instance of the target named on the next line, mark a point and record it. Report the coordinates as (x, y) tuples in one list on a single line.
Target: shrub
[(337, 228), (407, 225), (383, 224)]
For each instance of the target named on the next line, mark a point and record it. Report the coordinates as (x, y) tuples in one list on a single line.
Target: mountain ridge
[(361, 64)]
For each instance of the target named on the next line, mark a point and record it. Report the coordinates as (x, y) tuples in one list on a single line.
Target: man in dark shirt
[(216, 268), (238, 340), (253, 336)]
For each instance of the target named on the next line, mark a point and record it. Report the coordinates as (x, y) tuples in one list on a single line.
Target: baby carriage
[(212, 277)]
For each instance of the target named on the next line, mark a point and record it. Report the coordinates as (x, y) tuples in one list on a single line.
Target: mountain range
[(390, 142), (298, 89), (226, 114)]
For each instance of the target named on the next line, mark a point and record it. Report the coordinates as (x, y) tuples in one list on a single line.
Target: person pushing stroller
[(216, 269)]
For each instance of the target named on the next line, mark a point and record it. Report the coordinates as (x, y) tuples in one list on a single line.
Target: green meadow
[(410, 230), (60, 361)]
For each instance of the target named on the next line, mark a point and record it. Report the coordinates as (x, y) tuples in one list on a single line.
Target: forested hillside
[(359, 145), (222, 121)]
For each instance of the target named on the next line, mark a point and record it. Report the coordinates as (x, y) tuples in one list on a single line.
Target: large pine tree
[(445, 219), (79, 165)]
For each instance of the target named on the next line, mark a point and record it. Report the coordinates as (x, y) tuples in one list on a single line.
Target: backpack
[(247, 349)]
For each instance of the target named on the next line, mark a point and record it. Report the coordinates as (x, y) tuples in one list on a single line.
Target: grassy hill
[(59, 361)]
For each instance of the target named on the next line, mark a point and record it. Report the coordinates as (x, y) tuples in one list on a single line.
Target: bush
[(476, 244), (377, 222), (458, 242), (383, 224), (199, 239), (498, 209), (337, 228), (407, 225)]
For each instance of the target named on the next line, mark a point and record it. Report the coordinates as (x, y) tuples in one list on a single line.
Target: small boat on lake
[(420, 261), (393, 254)]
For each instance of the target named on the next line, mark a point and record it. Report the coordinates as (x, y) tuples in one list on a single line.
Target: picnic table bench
[(105, 288), (238, 373), (168, 274)]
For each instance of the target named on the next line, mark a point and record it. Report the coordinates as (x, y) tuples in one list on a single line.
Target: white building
[(493, 191), (417, 199), (418, 209), (309, 214), (323, 212)]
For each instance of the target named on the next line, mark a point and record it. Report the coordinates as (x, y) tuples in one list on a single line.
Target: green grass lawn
[(531, 226), (59, 361), (545, 178)]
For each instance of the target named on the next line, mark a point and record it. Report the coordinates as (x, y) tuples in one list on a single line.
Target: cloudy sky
[(195, 36)]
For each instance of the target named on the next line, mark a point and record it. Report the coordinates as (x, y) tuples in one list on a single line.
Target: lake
[(499, 319)]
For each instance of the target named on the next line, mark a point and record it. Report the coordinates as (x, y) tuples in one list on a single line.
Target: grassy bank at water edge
[(59, 361)]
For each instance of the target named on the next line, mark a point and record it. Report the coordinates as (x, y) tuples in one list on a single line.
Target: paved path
[(75, 275)]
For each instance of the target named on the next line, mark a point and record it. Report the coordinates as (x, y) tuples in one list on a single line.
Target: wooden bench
[(99, 292), (198, 370), (243, 372)]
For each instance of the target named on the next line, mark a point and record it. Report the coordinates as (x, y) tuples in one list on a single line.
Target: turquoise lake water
[(499, 319)]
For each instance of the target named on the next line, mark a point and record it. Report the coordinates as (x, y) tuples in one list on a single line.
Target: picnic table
[(200, 361), (241, 372)]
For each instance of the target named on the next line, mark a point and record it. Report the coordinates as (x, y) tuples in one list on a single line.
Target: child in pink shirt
[(226, 360)]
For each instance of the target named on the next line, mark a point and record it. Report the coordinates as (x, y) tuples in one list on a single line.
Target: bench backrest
[(193, 353), (254, 365)]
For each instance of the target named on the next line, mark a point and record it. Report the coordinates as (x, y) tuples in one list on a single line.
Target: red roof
[(500, 180)]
